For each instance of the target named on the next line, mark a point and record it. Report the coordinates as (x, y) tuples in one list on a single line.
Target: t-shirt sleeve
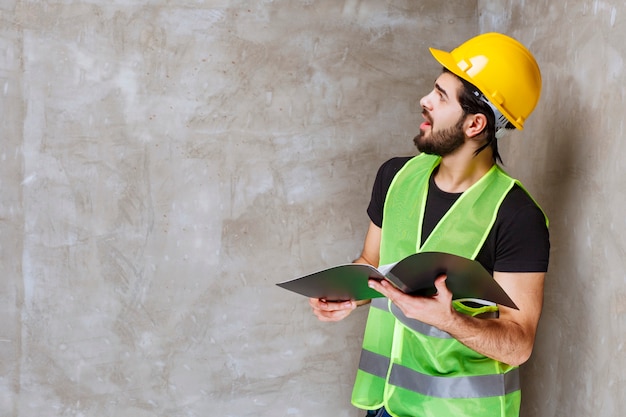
[(522, 236), (384, 176)]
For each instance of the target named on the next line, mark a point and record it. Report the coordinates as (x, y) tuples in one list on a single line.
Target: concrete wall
[(572, 157), (163, 164)]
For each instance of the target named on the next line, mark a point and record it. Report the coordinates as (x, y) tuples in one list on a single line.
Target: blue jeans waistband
[(378, 413)]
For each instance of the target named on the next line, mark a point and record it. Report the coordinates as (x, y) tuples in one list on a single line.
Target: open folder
[(415, 274)]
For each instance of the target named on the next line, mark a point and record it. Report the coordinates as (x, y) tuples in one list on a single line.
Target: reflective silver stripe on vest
[(380, 303), (479, 386), (374, 364), (418, 326), (415, 325)]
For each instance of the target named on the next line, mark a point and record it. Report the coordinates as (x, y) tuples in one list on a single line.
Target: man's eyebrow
[(441, 90)]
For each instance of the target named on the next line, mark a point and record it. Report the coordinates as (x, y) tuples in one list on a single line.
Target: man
[(433, 356)]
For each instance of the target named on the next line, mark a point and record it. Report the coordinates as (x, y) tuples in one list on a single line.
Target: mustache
[(426, 115)]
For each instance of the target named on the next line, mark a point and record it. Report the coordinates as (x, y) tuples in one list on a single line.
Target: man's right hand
[(336, 311), (332, 310)]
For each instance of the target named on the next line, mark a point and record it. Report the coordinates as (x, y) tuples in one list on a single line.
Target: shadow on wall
[(566, 315)]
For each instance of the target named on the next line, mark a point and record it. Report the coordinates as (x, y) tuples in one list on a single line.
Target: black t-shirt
[(518, 242)]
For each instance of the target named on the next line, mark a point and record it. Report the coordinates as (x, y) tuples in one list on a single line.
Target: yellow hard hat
[(502, 69)]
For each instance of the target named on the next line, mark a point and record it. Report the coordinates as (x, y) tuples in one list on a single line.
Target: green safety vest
[(414, 369)]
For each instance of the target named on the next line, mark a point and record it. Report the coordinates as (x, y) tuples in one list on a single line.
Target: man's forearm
[(499, 339), (508, 339)]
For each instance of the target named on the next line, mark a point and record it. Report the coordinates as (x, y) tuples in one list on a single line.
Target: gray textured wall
[(163, 164), (572, 157)]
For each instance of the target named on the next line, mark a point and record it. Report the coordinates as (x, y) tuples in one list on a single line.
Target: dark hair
[(472, 104)]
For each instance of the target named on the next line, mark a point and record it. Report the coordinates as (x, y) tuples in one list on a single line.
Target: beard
[(443, 142)]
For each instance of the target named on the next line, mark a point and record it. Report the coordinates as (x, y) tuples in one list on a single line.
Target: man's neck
[(461, 170)]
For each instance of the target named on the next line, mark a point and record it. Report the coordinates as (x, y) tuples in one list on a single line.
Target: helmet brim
[(446, 59)]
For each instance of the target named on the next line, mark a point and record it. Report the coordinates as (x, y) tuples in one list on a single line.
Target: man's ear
[(475, 124)]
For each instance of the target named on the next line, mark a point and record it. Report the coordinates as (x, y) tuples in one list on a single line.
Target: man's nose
[(426, 102)]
